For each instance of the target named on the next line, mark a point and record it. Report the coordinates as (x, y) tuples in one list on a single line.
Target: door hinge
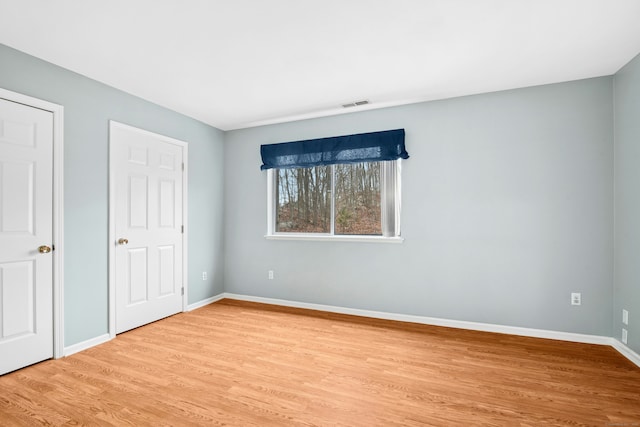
[(183, 167), (182, 292), (182, 229)]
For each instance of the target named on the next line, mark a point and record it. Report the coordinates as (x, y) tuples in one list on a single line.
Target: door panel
[(26, 223), (138, 201), (148, 205), (17, 131), (138, 284), (17, 286), (167, 204), (167, 271), (17, 197)]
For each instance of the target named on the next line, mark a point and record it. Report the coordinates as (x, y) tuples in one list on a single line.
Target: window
[(341, 187), (303, 199)]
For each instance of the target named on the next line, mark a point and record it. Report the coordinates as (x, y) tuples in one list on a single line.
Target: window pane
[(357, 207), (303, 200)]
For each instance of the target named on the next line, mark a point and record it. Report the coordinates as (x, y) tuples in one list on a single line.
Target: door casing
[(57, 209), (112, 220)]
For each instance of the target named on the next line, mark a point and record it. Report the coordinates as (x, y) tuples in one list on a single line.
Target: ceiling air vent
[(355, 104)]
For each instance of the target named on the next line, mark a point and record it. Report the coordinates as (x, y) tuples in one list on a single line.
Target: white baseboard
[(626, 351), (84, 345), (434, 321), (204, 302)]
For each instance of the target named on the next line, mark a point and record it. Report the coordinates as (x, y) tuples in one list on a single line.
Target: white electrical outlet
[(624, 336), (625, 316), (270, 274), (576, 298), (204, 275)]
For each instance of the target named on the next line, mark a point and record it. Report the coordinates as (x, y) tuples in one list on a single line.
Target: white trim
[(332, 231), (112, 227), (185, 224), (58, 232), (111, 279), (459, 324), (626, 351), (271, 209), (393, 182), (111, 264), (58, 210), (204, 302), (434, 321), (333, 238), (84, 345)]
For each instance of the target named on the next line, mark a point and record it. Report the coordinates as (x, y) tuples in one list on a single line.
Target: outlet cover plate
[(576, 298), (624, 336), (625, 317)]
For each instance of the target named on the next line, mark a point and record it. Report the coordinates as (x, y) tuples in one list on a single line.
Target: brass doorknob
[(44, 249), (122, 241)]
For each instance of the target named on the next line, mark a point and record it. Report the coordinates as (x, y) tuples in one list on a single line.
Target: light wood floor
[(238, 363)]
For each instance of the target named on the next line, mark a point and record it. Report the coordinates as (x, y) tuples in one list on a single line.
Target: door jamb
[(58, 210), (112, 225)]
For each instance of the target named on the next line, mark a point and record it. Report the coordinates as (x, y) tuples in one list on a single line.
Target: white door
[(147, 178), (26, 235)]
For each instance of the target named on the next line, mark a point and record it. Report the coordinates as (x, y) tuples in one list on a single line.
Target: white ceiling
[(242, 63)]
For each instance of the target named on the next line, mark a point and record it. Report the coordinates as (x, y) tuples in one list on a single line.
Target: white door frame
[(58, 210), (112, 219)]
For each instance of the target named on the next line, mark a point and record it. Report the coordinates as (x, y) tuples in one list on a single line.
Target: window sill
[(328, 238)]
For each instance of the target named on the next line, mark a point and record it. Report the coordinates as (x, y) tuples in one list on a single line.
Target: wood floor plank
[(247, 364)]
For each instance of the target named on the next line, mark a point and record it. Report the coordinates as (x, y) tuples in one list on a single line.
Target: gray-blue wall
[(627, 202), (88, 107), (507, 208), (508, 205)]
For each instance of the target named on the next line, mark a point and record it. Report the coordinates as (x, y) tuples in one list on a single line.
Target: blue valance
[(363, 147)]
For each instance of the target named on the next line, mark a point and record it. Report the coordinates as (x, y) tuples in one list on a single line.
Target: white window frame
[(390, 189)]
